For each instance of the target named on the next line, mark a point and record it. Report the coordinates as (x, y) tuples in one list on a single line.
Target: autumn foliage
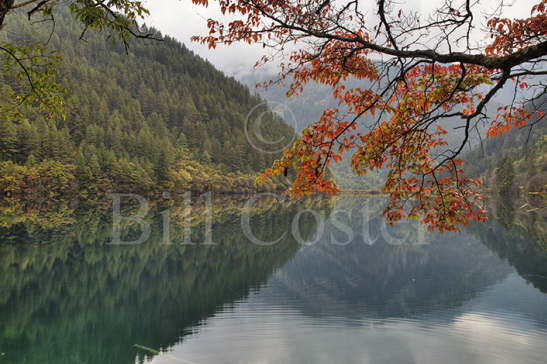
[(414, 89)]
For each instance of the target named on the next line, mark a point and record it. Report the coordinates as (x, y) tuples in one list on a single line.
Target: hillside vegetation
[(154, 118), (514, 169)]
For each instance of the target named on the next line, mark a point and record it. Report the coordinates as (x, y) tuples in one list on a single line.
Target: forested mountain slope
[(514, 170), (154, 117), (526, 142)]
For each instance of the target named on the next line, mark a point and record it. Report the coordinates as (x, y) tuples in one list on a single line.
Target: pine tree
[(8, 140), (504, 177)]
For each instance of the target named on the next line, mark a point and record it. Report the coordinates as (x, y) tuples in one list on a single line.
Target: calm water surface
[(368, 294)]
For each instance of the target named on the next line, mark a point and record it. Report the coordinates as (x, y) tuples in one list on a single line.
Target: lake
[(311, 282)]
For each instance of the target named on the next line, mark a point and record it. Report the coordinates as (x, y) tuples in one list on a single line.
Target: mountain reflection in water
[(388, 295)]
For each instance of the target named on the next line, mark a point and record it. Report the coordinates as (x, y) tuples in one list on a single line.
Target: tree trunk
[(5, 6)]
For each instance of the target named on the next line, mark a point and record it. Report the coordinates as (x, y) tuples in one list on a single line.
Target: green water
[(370, 295)]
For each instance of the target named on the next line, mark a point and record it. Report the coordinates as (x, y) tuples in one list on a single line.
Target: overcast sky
[(181, 20)]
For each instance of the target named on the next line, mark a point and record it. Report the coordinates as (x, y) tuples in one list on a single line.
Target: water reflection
[(389, 296), (66, 297)]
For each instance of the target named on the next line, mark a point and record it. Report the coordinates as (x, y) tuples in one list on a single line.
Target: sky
[(181, 19)]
